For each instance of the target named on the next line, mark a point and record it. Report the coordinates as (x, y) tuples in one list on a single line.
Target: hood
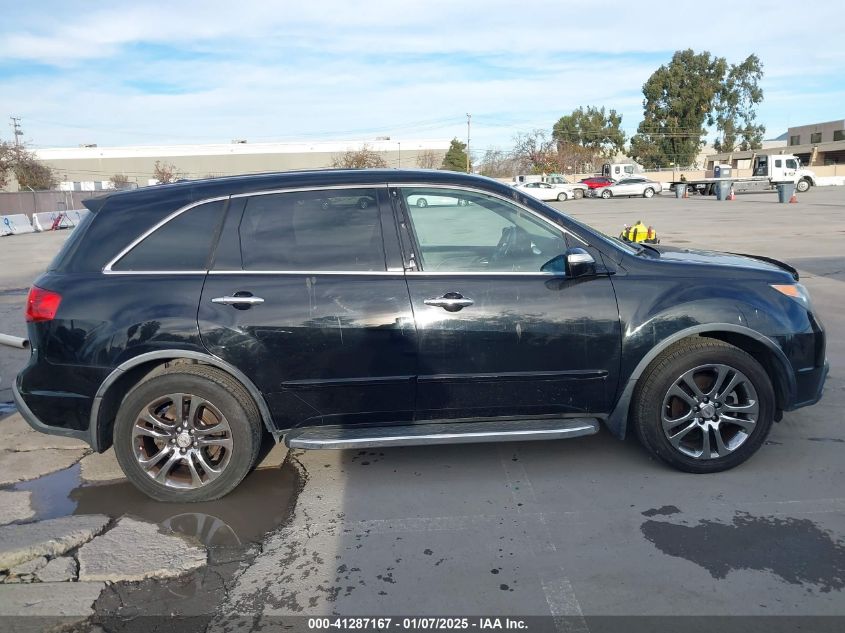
[(715, 258)]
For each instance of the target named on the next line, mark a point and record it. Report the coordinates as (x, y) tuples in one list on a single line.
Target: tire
[(606, 194), (422, 202), (803, 185), (562, 197), (363, 203), (702, 358), (226, 406), (578, 194), (648, 193)]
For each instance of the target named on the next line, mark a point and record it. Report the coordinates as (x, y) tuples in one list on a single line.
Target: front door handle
[(236, 301), (451, 301)]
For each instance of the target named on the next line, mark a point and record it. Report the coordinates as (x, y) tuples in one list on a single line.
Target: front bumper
[(809, 386)]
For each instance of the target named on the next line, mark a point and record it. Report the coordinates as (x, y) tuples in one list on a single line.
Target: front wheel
[(802, 185), (703, 406), (562, 197), (606, 194), (648, 193), (190, 433)]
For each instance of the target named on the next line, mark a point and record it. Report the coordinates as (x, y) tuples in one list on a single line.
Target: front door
[(496, 336), (299, 298)]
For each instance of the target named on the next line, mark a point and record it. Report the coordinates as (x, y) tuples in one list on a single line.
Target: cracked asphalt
[(572, 528)]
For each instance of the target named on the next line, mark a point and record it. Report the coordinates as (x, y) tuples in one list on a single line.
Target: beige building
[(90, 168), (817, 145)]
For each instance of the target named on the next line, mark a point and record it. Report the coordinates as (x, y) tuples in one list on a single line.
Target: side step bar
[(441, 433)]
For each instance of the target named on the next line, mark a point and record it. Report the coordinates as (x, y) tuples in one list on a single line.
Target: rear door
[(497, 337), (324, 328)]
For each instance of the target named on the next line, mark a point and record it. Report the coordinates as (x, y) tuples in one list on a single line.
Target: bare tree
[(427, 159), (7, 162), (364, 158), (535, 151), (497, 163), (165, 172), (119, 181)]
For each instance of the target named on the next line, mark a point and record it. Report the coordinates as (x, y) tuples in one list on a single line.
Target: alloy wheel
[(710, 411), (182, 441)]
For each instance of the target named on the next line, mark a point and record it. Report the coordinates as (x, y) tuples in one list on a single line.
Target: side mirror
[(575, 262)]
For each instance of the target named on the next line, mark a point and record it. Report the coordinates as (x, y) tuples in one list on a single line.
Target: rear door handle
[(230, 301), (451, 301)]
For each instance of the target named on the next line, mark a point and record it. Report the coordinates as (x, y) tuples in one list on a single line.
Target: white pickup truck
[(767, 171)]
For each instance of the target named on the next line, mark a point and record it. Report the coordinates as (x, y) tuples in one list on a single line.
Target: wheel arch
[(760, 347), (129, 373)]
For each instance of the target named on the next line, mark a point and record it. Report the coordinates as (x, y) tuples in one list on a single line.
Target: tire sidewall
[(649, 425), (243, 436)]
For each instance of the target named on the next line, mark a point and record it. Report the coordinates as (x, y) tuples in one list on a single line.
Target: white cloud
[(263, 70)]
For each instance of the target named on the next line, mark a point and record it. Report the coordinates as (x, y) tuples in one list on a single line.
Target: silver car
[(633, 186)]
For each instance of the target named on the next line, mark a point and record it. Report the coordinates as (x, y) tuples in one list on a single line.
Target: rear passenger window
[(182, 244), (312, 231)]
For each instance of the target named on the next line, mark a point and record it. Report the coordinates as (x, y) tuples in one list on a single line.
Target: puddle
[(259, 504), (796, 550)]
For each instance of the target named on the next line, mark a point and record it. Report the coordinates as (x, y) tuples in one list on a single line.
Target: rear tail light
[(41, 305)]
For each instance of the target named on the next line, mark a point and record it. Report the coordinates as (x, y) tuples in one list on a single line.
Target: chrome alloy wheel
[(710, 411), (182, 441)]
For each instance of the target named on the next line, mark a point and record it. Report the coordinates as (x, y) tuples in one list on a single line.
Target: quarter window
[(463, 231), (182, 244), (337, 230)]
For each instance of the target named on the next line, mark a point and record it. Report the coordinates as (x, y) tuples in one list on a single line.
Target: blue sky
[(130, 73)]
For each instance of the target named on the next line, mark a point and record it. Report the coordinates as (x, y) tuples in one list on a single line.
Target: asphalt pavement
[(572, 528)]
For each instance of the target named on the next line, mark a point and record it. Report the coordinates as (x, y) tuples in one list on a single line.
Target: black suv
[(331, 309)]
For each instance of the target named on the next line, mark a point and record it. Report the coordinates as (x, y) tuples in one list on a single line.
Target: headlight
[(794, 291)]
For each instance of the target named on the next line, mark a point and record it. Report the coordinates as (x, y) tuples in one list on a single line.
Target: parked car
[(424, 200), (597, 182), (545, 191), (634, 186), (181, 323)]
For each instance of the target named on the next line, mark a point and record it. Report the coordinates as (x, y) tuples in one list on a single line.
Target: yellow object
[(637, 233)]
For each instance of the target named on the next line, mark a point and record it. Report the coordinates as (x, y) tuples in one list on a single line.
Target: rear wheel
[(422, 202), (562, 197), (363, 203), (578, 194), (648, 193), (191, 433), (703, 406)]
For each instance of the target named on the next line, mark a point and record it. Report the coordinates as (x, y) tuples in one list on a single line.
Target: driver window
[(464, 231)]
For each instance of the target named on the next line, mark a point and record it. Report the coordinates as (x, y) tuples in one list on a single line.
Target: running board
[(441, 433)]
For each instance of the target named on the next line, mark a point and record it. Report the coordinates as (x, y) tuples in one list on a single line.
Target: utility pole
[(16, 130), (469, 118)]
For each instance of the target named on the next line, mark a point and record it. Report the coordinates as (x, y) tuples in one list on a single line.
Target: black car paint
[(530, 346)]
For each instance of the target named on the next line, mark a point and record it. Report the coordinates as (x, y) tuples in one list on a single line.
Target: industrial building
[(817, 145), (90, 168)]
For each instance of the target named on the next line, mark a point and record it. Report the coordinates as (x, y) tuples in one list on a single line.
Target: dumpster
[(785, 191), (679, 189), (723, 189)]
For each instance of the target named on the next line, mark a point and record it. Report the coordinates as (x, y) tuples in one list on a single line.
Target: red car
[(597, 182)]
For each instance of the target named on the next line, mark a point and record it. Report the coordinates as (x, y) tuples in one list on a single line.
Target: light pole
[(469, 118), (400, 153)]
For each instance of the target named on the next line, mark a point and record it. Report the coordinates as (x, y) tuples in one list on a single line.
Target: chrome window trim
[(493, 195), (364, 273), (108, 267)]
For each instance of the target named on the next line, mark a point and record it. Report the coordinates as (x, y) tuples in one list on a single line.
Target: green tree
[(592, 129), (679, 99), (456, 157), (735, 107)]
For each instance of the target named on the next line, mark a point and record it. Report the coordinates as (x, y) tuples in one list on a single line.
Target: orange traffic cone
[(732, 195), (794, 198)]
